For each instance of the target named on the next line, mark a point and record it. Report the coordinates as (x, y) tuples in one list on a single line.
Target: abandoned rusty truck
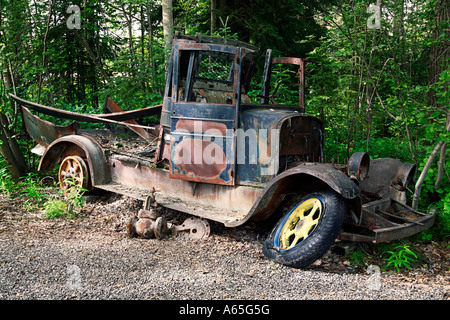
[(218, 157)]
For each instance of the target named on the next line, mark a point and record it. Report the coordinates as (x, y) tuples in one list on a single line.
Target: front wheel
[(307, 231)]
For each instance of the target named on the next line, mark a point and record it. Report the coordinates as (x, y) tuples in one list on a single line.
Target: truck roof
[(199, 38)]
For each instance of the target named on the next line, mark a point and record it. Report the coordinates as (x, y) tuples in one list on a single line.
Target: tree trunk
[(129, 21), (91, 54), (44, 50), (213, 16), (439, 50), (438, 62), (418, 187), (150, 45), (10, 150), (167, 16), (9, 147)]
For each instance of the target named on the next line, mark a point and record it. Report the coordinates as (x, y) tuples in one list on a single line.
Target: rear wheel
[(73, 171), (307, 231)]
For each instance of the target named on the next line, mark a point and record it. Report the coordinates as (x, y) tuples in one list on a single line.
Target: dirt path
[(92, 257)]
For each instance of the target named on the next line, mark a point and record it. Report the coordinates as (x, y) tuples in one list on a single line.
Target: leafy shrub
[(401, 256), (6, 182), (63, 205), (444, 218), (358, 258), (33, 190), (74, 194), (55, 208)]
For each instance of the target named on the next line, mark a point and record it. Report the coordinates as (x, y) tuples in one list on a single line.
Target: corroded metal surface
[(115, 118), (45, 132), (192, 228), (358, 166), (302, 179), (388, 220), (111, 106), (225, 204), (82, 146), (388, 178)]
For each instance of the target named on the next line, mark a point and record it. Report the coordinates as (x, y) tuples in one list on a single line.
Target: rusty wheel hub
[(193, 228), (73, 171)]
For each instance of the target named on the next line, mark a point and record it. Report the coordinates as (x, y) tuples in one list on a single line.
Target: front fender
[(79, 145), (303, 179), (327, 173)]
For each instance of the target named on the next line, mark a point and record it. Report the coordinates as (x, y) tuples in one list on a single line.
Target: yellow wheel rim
[(301, 223)]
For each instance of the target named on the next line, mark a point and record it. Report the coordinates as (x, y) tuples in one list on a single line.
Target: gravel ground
[(92, 257)]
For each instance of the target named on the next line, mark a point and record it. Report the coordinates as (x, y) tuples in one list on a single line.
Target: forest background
[(377, 79)]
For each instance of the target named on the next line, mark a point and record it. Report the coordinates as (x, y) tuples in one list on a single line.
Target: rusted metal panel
[(45, 132), (302, 179), (116, 118), (202, 143), (188, 45), (274, 138), (185, 165), (200, 38), (358, 166), (225, 204), (205, 126), (404, 230), (388, 220), (217, 116), (302, 136), (388, 178), (114, 108), (266, 78), (77, 145)]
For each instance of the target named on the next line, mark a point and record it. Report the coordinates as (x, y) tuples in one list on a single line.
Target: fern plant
[(402, 256)]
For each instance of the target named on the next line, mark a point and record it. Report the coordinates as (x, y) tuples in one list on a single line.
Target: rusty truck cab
[(212, 133)]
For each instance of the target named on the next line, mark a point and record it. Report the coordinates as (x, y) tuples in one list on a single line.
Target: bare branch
[(416, 196), (441, 166)]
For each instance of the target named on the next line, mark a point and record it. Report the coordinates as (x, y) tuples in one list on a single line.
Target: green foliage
[(399, 119), (74, 194), (33, 191), (37, 196), (358, 258), (65, 202), (28, 186), (56, 208), (7, 184), (443, 218), (400, 257)]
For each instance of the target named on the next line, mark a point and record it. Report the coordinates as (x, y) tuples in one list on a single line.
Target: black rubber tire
[(317, 243)]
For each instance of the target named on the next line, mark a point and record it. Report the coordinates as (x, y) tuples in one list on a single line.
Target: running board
[(227, 217)]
